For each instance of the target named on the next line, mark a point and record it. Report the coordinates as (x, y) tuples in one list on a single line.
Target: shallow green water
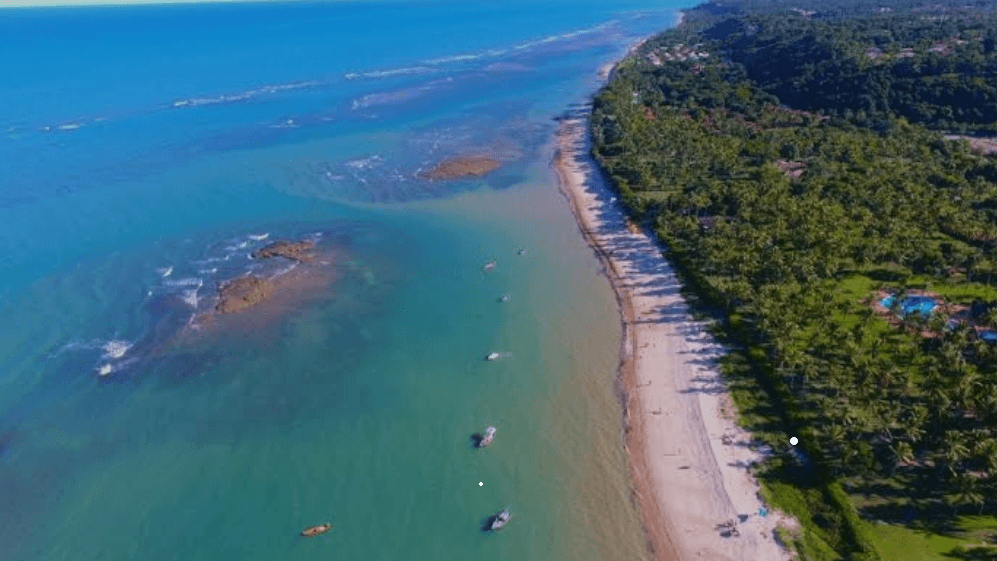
[(357, 408), (133, 185)]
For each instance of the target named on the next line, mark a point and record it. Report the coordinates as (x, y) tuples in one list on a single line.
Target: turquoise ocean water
[(146, 151)]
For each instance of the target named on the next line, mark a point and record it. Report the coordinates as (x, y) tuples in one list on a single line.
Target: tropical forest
[(824, 178)]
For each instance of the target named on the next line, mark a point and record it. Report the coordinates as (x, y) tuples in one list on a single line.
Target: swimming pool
[(921, 304), (989, 336)]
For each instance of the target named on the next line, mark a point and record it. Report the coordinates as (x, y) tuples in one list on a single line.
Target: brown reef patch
[(462, 166), (251, 305), (296, 251), (241, 293)]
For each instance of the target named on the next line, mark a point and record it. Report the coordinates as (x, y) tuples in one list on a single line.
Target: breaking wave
[(115, 349)]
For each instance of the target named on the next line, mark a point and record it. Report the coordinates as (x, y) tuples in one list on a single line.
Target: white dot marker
[(480, 483), (794, 441)]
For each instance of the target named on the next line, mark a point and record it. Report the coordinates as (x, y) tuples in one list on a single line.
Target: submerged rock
[(296, 251), (462, 166), (239, 294)]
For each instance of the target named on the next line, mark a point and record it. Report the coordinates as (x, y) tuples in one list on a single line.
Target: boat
[(504, 298), (316, 530), (522, 251), (500, 519), (492, 356), (490, 265), (488, 437)]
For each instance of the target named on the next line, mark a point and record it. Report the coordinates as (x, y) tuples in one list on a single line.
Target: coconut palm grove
[(824, 177)]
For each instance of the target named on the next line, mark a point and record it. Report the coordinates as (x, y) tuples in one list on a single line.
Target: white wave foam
[(213, 260), (385, 98), (242, 245), (389, 73), (242, 96), (284, 271), (108, 368), (259, 237), (454, 58), (365, 163), (288, 124), (165, 271), (189, 281), (69, 126), (190, 298), (115, 349), (210, 271), (79, 346), (571, 34)]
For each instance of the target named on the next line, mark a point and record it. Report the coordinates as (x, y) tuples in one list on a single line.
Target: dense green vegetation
[(792, 173)]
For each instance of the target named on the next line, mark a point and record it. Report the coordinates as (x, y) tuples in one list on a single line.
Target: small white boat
[(504, 298), (490, 265), (501, 519), (493, 356), (316, 530), (522, 251), (488, 437)]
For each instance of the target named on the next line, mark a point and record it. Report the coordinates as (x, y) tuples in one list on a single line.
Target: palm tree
[(903, 454), (953, 452), (967, 491)]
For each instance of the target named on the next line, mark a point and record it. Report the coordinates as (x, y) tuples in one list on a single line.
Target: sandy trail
[(677, 408)]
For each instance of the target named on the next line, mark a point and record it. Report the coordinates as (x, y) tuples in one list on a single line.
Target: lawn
[(900, 543)]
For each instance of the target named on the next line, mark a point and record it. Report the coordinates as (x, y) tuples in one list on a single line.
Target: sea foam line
[(189, 281), (390, 72), (466, 57), (115, 349)]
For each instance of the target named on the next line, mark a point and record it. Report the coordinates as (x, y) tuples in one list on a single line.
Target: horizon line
[(122, 3)]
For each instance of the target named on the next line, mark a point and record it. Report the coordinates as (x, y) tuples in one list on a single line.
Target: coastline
[(677, 413)]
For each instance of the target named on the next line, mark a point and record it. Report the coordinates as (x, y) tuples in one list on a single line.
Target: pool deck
[(957, 312)]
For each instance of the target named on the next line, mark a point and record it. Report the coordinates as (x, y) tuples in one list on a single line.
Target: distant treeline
[(934, 66), (793, 165)]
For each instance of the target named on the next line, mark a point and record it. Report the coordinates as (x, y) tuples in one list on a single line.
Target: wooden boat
[(488, 437), (500, 519), (316, 530)]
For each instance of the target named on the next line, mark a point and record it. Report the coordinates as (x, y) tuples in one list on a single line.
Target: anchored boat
[(501, 519), (316, 530), (487, 438), (492, 356)]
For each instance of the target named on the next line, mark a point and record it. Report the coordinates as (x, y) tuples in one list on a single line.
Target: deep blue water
[(146, 151)]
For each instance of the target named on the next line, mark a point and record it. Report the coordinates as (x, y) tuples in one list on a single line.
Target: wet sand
[(677, 411)]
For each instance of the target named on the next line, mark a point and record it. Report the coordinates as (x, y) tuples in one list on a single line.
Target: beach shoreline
[(689, 460)]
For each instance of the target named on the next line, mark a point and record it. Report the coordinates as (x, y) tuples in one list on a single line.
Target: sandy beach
[(688, 458)]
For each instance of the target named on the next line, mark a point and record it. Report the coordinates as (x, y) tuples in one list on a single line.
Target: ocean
[(147, 151)]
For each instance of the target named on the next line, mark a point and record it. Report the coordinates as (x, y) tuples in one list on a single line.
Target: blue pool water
[(911, 304), (989, 336)]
